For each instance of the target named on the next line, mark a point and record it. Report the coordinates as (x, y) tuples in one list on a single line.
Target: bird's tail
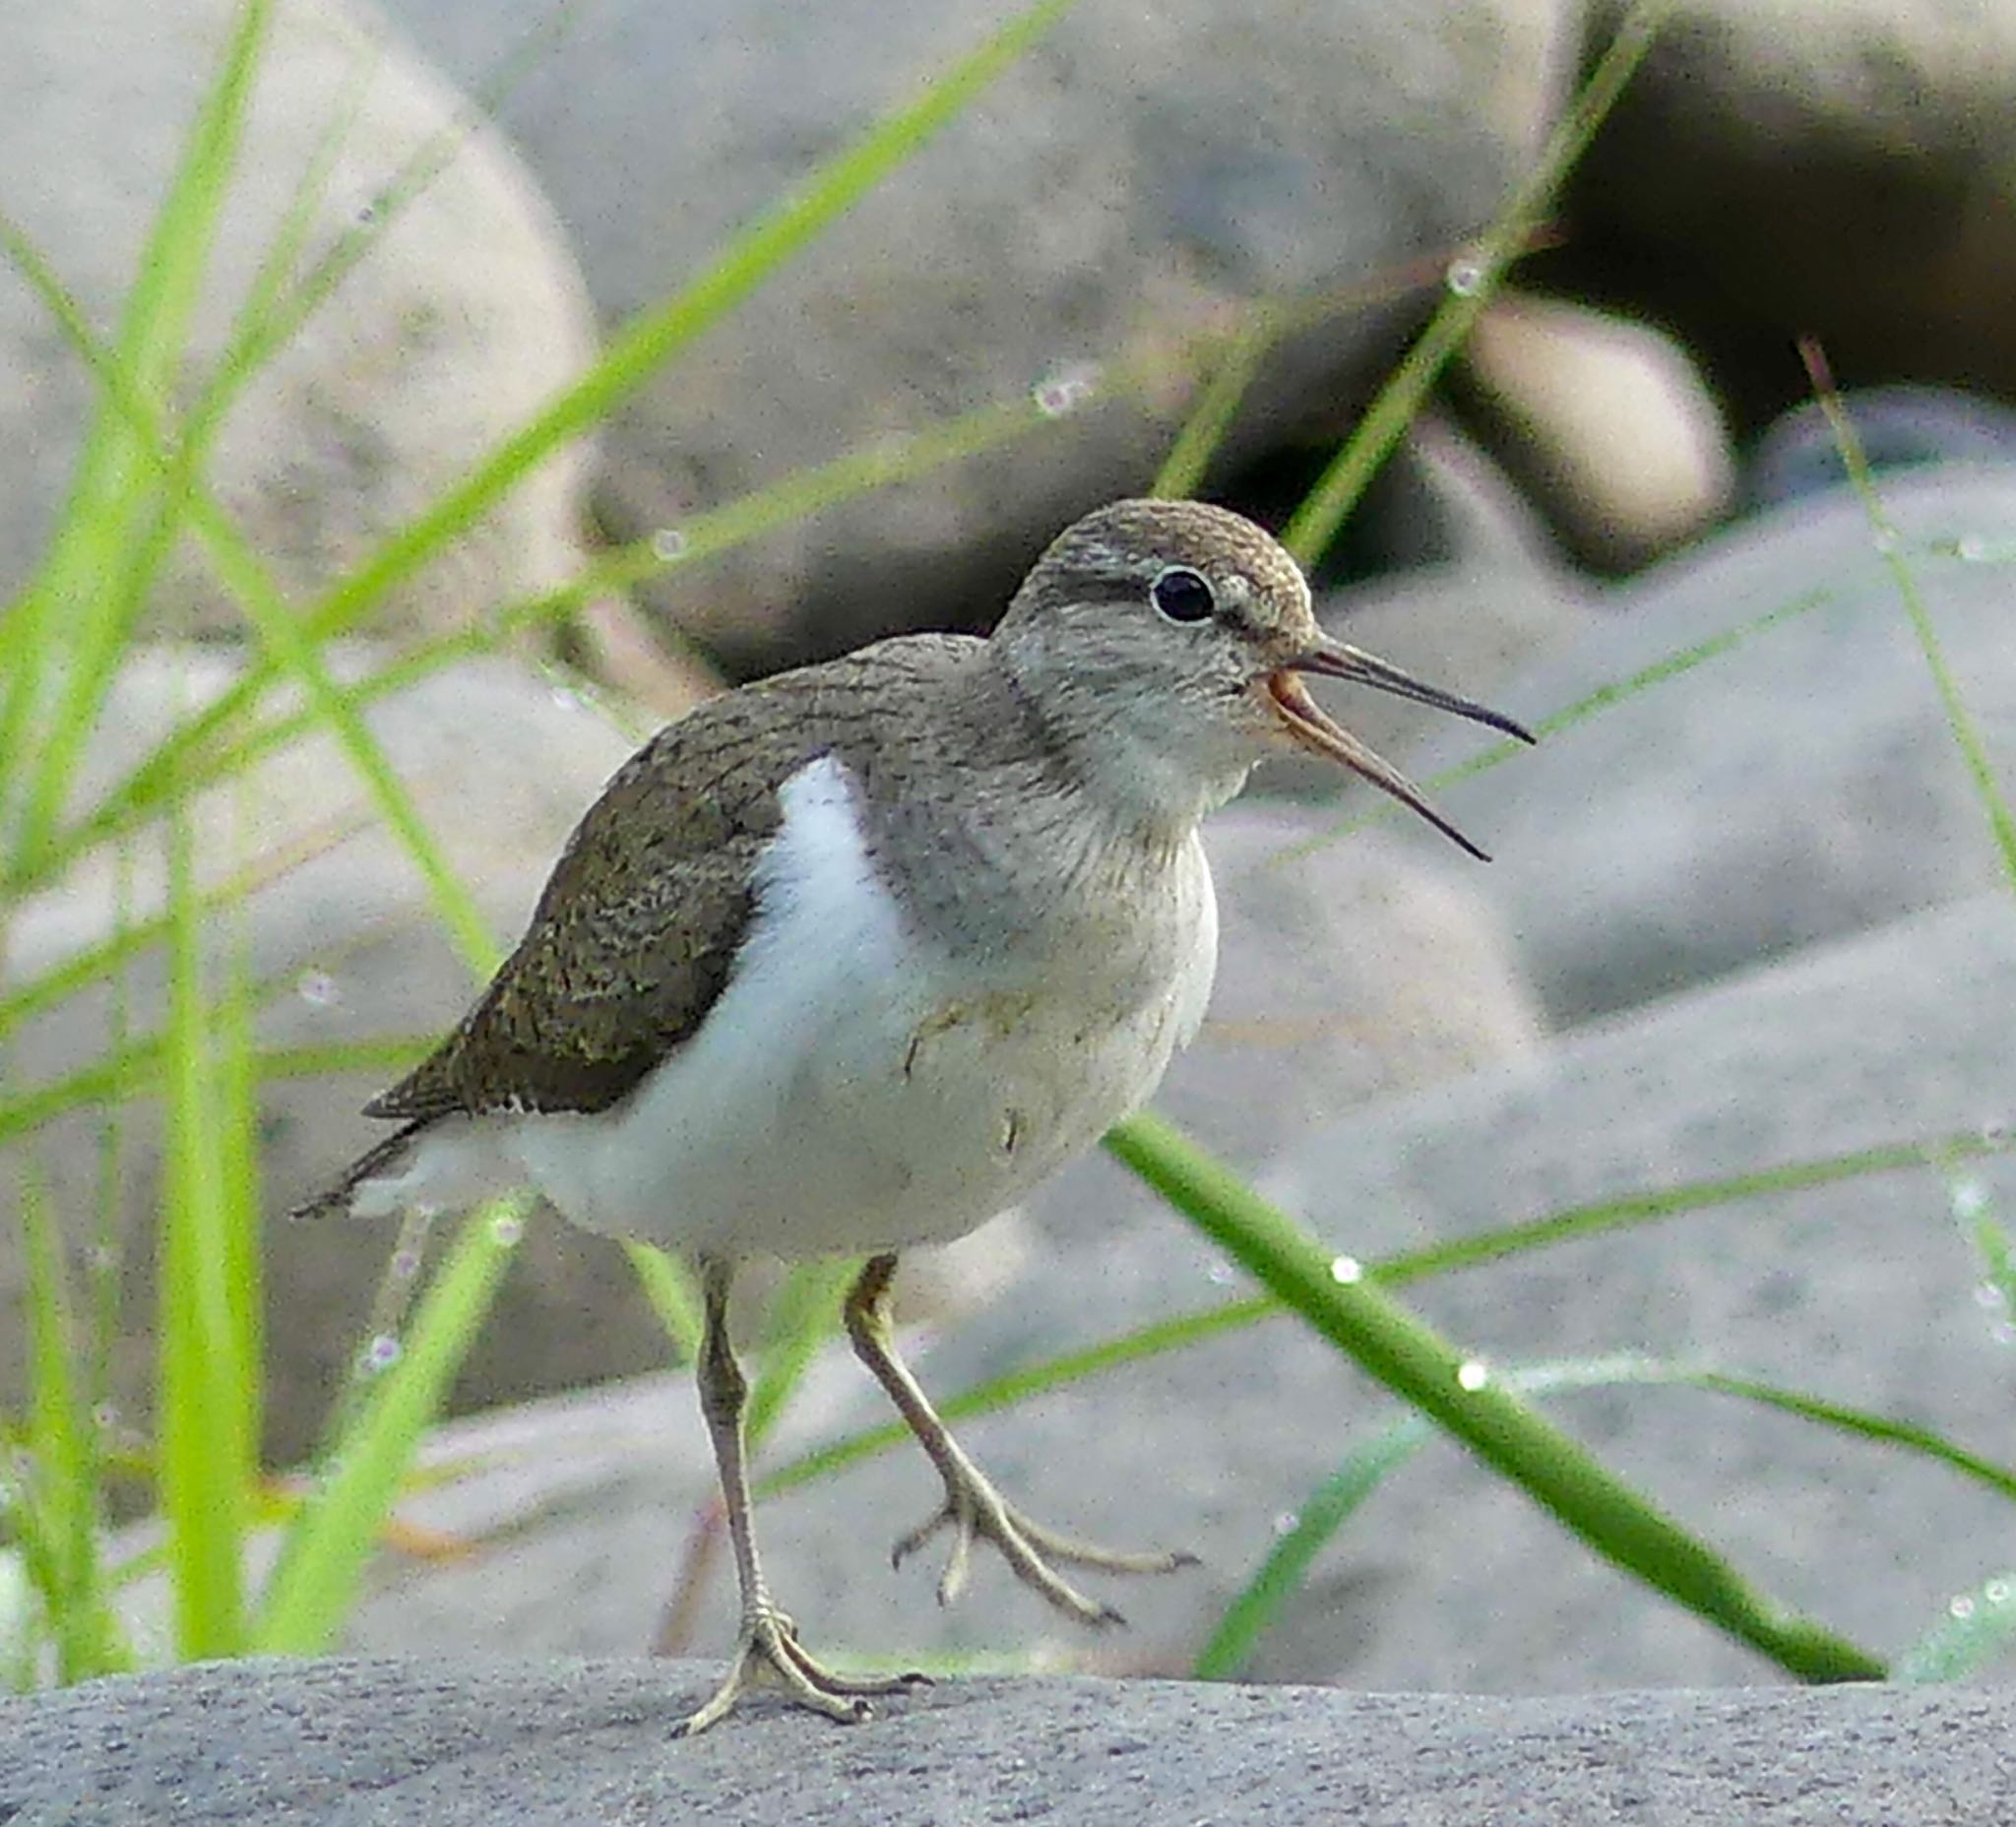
[(388, 1155)]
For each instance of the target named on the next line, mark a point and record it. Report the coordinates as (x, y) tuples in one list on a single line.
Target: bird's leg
[(972, 1507), (768, 1649)]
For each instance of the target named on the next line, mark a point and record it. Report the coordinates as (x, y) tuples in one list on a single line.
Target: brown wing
[(637, 931), (633, 939)]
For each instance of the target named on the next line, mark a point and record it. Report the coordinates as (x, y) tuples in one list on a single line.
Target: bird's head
[(1167, 640)]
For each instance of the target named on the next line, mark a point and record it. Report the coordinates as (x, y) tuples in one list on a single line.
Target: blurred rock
[(1844, 168), (395, 1742), (1864, 1293), (1898, 428), (1606, 423), (1141, 175), (1800, 786), (466, 315), (1481, 598), (345, 937)]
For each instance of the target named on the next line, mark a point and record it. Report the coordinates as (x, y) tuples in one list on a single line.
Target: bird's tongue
[(1310, 725)]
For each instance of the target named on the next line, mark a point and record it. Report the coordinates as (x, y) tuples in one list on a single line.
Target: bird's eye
[(1182, 594)]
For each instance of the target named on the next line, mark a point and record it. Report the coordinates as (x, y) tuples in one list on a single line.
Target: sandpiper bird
[(847, 960)]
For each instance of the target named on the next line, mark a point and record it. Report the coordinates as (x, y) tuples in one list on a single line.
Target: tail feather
[(389, 1153)]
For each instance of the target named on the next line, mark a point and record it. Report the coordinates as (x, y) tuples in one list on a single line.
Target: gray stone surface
[(467, 314), (1840, 167), (1862, 1291), (500, 766), (1138, 177), (1607, 423), (1483, 597), (1801, 787), (468, 1744)]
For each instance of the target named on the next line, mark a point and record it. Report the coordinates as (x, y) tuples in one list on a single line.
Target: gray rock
[(1801, 787), (1841, 166), (1482, 599), (1899, 428), (1607, 423), (463, 1744), (1138, 179), (1863, 1292), (465, 318), (501, 765)]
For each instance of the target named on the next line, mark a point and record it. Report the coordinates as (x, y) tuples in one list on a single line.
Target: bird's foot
[(974, 1510), (769, 1655)]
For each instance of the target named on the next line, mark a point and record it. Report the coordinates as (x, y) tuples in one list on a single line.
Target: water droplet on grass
[(1065, 390), (1962, 1608), (318, 990), (1222, 1274), (1466, 276), (1286, 1522), (1346, 1271), (1969, 1199), (669, 544), (506, 1229), (1472, 1374), (1996, 1592), (379, 1355)]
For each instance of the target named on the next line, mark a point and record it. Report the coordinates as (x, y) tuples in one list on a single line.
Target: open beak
[(1309, 725)]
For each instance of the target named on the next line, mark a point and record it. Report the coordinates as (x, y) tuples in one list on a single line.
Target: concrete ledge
[(346, 1743)]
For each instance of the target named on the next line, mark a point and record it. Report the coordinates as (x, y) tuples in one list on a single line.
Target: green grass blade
[(1592, 704), (1005, 1392), (193, 754), (652, 337), (315, 1584), (673, 1297), (288, 651), (1333, 1503), (206, 1458), (803, 1315), (88, 579), (1314, 524), (1184, 469), (62, 1461), (1975, 1632), (1387, 1342), (1178, 1333), (1966, 737)]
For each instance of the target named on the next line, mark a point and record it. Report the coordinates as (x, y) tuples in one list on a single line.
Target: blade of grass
[(1283, 1572), (183, 756), (315, 1584), (288, 650), (1183, 470), (206, 1454), (673, 1297), (1392, 1346), (1333, 1503), (87, 580), (1604, 697), (61, 1453), (1315, 523), (1183, 1329), (803, 1315), (1966, 732), (652, 339)]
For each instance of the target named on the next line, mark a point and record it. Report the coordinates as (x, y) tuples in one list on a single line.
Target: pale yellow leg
[(768, 1652), (972, 1508)]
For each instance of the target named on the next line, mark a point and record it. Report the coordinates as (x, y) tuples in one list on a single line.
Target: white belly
[(847, 1094)]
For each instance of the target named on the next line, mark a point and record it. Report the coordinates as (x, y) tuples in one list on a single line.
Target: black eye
[(1182, 594)]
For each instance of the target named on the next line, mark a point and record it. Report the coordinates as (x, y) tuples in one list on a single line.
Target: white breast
[(854, 1088)]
